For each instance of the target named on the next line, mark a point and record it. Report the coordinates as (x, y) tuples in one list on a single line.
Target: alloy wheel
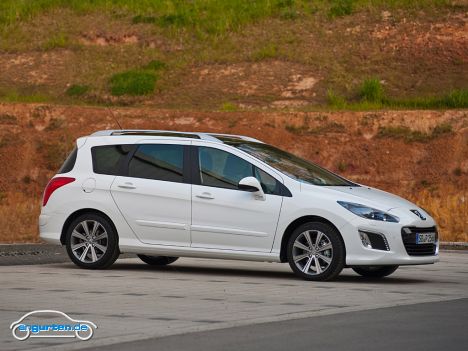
[(312, 252), (89, 241)]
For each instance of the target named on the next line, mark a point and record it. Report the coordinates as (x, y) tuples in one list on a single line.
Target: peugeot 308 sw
[(164, 195)]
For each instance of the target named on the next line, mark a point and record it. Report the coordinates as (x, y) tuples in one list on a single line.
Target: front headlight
[(368, 212)]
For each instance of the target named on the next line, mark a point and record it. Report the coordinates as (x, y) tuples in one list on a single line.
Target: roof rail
[(173, 133), (234, 136)]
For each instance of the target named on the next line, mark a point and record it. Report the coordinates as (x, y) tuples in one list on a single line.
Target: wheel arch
[(80, 212), (298, 222)]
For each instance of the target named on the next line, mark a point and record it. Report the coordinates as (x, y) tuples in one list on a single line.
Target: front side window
[(158, 162), (269, 184), (222, 169)]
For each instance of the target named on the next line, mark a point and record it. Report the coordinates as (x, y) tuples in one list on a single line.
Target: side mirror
[(251, 184)]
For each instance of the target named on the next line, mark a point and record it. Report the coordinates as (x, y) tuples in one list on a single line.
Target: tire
[(94, 240), (331, 249), (375, 271), (157, 260)]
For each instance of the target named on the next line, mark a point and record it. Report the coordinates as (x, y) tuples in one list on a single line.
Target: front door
[(224, 217)]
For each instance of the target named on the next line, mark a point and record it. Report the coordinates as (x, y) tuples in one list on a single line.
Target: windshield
[(289, 164)]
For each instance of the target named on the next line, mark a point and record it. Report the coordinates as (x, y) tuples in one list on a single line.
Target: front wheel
[(316, 251), (375, 271), (157, 260)]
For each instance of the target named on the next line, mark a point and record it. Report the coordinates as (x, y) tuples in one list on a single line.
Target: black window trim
[(125, 162), (122, 161), (186, 169), (195, 172)]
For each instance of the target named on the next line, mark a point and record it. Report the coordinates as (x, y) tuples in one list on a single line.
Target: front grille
[(408, 234)]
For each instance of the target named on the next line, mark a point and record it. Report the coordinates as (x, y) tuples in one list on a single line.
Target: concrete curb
[(453, 245)]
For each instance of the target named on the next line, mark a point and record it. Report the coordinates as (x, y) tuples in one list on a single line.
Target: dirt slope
[(273, 63), (422, 155)]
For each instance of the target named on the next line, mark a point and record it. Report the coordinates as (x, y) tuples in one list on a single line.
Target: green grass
[(371, 90), (373, 96), (228, 107), (341, 8), (336, 100), (57, 41), (409, 135), (155, 65), (329, 127), (202, 16), (454, 99), (77, 90), (267, 51), (15, 96), (133, 82)]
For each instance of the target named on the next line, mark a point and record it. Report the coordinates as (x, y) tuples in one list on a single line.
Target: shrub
[(143, 19), (8, 119), (335, 100), (341, 8), (155, 65), (440, 129), (268, 51), (456, 99), (409, 135), (77, 90), (228, 107), (371, 90), (58, 40), (133, 83)]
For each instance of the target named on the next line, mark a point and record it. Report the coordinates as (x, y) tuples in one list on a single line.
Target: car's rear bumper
[(50, 227)]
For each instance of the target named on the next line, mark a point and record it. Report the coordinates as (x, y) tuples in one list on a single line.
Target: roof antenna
[(114, 117)]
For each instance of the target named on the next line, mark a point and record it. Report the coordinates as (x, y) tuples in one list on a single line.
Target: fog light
[(365, 240), (375, 241)]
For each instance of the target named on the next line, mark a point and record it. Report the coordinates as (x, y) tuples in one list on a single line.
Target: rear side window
[(109, 159), (158, 162), (69, 162)]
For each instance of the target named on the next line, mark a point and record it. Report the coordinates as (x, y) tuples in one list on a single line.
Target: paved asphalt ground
[(198, 304)]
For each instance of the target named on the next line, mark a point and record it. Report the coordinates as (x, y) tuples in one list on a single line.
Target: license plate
[(425, 238)]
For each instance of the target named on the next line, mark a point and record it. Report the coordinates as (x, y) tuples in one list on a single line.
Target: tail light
[(53, 185)]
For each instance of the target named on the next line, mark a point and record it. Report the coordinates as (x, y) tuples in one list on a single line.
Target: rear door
[(154, 192)]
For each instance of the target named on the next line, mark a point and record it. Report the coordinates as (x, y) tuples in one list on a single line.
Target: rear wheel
[(316, 251), (375, 271), (92, 242), (158, 260)]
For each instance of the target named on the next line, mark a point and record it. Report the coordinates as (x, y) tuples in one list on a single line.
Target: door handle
[(127, 186), (205, 195)]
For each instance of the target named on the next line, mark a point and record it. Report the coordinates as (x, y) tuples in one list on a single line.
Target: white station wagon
[(164, 195)]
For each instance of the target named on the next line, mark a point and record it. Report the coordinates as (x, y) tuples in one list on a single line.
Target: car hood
[(371, 196)]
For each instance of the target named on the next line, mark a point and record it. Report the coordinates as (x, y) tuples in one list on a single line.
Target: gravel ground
[(28, 254)]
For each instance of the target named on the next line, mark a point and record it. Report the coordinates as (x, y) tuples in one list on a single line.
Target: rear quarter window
[(69, 162), (109, 159)]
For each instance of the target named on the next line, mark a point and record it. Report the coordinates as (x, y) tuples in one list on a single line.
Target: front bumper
[(358, 255)]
